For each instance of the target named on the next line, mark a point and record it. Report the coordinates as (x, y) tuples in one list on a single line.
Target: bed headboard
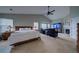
[(18, 27)]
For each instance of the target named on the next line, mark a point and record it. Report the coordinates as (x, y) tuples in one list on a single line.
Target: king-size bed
[(23, 34)]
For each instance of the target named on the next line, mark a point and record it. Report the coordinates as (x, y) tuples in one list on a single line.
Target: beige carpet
[(47, 45)]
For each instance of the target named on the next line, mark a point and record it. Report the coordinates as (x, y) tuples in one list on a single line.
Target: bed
[(22, 35)]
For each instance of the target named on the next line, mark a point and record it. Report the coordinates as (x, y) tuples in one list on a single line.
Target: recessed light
[(10, 9)]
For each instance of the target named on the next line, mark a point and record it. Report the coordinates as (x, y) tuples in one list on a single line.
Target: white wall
[(73, 28), (66, 23), (74, 11)]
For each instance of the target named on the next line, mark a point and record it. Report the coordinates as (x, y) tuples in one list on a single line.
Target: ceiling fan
[(50, 12)]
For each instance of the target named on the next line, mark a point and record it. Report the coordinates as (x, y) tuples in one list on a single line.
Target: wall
[(74, 14), (56, 21), (66, 23), (27, 20), (74, 11)]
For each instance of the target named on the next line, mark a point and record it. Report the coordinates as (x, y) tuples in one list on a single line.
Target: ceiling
[(60, 11), (24, 9)]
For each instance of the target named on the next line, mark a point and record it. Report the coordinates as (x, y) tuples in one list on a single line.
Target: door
[(78, 37)]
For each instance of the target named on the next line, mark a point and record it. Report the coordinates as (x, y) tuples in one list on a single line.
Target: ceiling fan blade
[(52, 11), (49, 13)]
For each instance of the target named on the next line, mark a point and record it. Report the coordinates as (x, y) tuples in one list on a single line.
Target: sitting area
[(51, 32)]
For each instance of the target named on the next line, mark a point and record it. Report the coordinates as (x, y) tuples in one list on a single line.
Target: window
[(5, 25), (45, 26), (35, 26)]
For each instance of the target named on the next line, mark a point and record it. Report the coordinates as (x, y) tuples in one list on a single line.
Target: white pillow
[(24, 29), (27, 28), (21, 29)]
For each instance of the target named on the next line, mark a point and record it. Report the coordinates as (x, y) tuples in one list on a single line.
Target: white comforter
[(19, 36)]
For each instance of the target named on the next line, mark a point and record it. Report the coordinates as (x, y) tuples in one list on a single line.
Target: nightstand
[(5, 35), (0, 37)]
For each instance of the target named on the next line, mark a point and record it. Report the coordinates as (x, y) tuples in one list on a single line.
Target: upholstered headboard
[(18, 27)]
